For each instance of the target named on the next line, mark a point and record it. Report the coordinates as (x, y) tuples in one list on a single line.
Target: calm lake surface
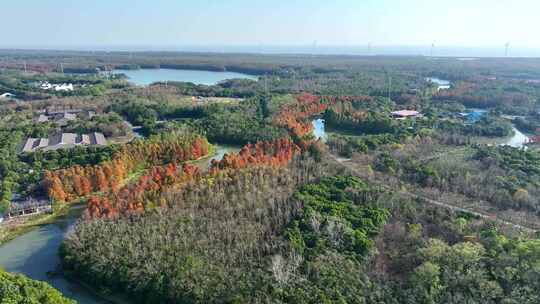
[(148, 76)]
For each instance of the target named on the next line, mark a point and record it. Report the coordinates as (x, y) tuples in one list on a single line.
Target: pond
[(442, 84), (145, 77), (221, 150)]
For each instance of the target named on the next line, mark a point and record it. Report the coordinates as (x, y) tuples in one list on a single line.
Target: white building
[(64, 87)]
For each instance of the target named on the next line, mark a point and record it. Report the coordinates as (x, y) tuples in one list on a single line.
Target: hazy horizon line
[(299, 49)]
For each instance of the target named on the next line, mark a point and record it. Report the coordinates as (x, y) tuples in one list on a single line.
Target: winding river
[(517, 140), (35, 254)]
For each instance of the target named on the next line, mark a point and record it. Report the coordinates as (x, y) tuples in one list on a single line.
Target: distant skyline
[(266, 25)]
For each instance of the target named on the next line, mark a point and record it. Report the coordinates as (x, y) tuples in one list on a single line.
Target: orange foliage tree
[(277, 153), (77, 181), (146, 193), (137, 197)]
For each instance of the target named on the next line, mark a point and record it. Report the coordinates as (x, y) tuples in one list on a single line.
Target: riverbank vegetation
[(487, 126), (16, 288), (9, 231)]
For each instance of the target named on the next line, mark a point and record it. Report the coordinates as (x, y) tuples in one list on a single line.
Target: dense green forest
[(214, 259), (316, 246)]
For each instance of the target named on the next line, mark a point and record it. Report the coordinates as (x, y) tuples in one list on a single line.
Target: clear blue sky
[(476, 23)]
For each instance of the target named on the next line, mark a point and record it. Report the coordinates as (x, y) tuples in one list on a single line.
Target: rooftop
[(63, 140), (405, 113)]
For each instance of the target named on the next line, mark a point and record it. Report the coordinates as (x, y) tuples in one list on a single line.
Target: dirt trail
[(349, 165)]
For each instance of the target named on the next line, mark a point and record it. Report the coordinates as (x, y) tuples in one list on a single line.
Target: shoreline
[(12, 231)]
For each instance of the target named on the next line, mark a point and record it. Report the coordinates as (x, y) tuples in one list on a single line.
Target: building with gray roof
[(61, 118), (63, 141)]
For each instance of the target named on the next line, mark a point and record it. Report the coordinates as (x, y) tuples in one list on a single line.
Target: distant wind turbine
[(431, 51), (369, 48), (506, 48)]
